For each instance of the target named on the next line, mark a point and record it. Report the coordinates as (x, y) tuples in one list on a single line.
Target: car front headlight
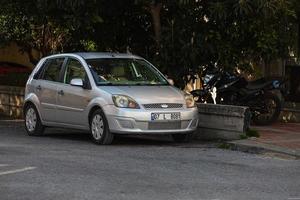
[(189, 100), (123, 101)]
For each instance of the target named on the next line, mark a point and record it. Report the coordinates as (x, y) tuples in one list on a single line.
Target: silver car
[(106, 94)]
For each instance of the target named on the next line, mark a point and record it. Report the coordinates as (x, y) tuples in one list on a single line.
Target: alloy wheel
[(97, 127), (31, 119)]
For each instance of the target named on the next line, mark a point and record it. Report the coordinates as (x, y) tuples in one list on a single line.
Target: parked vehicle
[(232, 89), (107, 94)]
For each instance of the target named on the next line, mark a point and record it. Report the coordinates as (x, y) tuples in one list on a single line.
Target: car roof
[(94, 55)]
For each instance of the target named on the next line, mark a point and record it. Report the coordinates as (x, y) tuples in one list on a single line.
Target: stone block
[(225, 122)]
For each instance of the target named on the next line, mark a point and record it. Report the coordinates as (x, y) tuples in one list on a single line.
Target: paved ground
[(279, 138), (66, 165), (281, 134)]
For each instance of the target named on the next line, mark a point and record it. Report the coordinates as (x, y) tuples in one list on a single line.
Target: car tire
[(32, 120), (182, 138), (99, 128)]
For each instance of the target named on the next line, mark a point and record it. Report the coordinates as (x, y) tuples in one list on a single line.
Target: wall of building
[(277, 68), (11, 53), (11, 101)]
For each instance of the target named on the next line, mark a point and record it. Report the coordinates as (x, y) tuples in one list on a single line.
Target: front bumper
[(138, 121)]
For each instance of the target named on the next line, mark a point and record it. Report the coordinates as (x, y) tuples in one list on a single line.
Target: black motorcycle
[(231, 89)]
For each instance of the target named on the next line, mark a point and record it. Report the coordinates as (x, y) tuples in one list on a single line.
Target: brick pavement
[(280, 134)]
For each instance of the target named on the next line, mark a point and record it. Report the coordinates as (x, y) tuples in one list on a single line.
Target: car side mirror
[(170, 81), (77, 82)]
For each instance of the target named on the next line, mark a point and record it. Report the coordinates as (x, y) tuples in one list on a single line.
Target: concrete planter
[(224, 122)]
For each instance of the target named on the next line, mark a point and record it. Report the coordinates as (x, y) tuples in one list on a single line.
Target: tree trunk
[(155, 9)]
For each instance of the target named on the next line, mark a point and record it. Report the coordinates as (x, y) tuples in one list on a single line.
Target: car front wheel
[(99, 128)]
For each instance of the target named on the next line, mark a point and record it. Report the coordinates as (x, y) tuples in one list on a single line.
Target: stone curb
[(252, 146)]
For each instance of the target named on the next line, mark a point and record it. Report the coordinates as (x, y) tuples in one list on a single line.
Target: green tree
[(47, 26), (175, 35), (253, 31)]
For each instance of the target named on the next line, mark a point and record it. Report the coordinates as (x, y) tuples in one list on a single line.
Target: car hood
[(148, 94)]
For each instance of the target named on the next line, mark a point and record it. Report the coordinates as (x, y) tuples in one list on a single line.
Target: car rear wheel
[(33, 124), (99, 128)]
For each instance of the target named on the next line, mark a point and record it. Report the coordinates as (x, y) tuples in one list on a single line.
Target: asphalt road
[(66, 165)]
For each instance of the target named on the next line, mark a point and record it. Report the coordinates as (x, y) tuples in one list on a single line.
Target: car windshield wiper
[(113, 84), (129, 84), (105, 83), (151, 84)]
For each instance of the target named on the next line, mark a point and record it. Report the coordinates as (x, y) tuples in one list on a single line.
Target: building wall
[(12, 53), (277, 69), (11, 101)]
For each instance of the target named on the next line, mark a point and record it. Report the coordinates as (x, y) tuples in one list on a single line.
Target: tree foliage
[(175, 35), (48, 26)]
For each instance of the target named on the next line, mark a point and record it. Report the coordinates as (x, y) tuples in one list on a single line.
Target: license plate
[(165, 116)]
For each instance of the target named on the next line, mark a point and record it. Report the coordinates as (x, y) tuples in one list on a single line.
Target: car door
[(73, 100), (46, 88)]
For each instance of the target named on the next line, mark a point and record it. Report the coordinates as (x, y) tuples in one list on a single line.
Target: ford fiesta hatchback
[(106, 94)]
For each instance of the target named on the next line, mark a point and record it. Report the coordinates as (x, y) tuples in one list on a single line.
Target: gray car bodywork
[(64, 105)]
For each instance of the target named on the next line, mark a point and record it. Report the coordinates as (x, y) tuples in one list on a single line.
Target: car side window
[(52, 69), (74, 69), (39, 73)]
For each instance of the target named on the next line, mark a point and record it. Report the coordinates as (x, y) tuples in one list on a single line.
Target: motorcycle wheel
[(273, 106)]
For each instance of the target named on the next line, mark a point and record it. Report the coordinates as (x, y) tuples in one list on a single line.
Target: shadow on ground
[(126, 140), (12, 127), (76, 135)]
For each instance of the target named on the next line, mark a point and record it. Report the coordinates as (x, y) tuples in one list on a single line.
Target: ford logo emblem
[(164, 105)]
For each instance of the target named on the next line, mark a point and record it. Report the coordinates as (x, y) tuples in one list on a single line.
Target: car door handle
[(61, 92), (38, 88)]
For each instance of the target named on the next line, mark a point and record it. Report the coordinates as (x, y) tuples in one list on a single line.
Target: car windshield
[(119, 71)]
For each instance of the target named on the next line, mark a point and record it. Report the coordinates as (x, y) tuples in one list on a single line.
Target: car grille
[(162, 105), (164, 125)]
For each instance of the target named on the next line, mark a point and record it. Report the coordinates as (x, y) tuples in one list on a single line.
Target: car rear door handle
[(61, 92)]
